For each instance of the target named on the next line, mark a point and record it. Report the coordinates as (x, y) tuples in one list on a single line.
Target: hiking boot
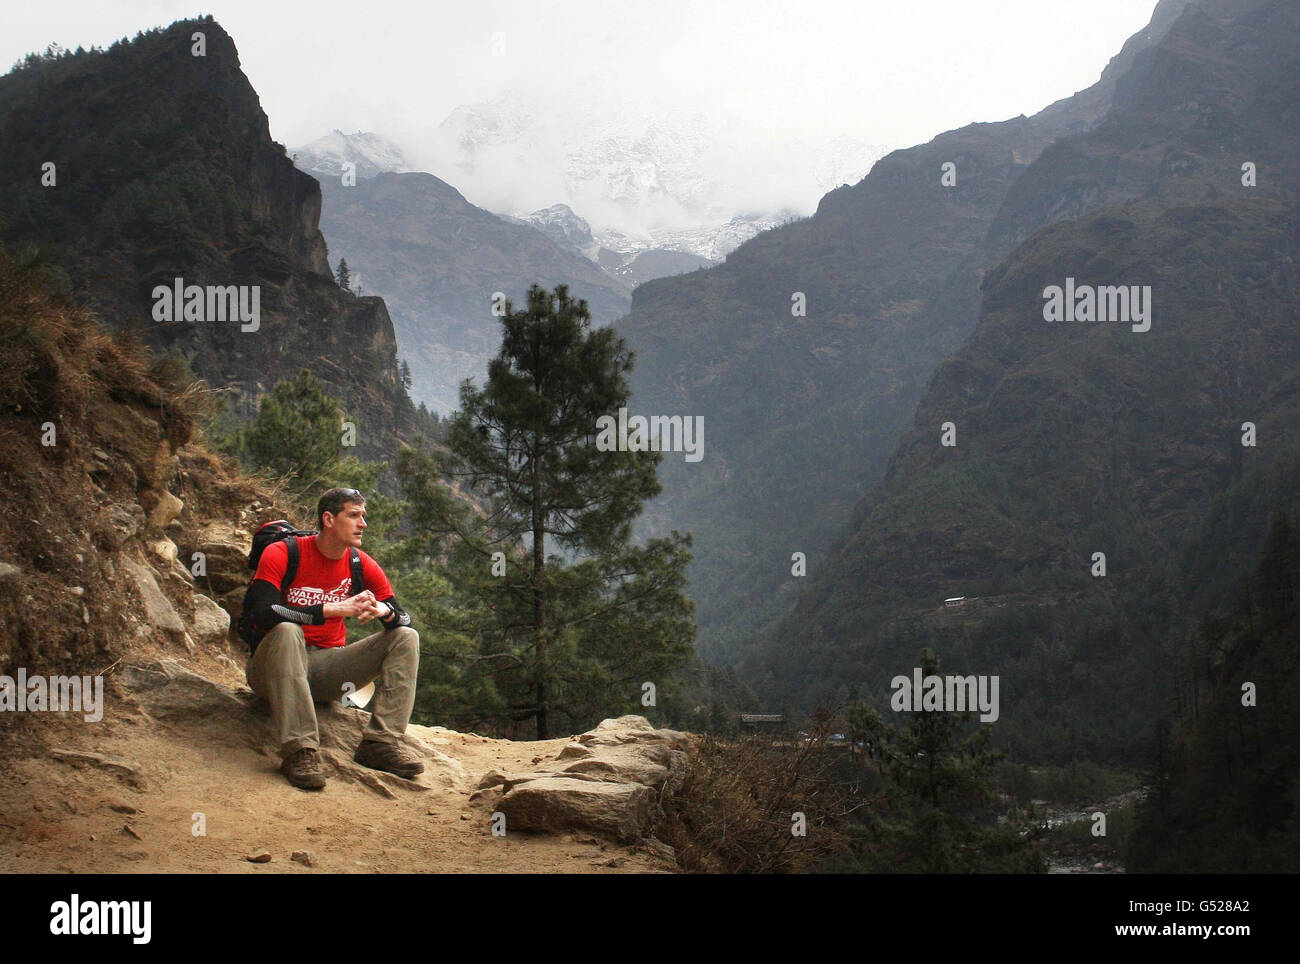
[(388, 757), (302, 769)]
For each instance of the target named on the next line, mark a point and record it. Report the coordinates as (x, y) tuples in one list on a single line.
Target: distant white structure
[(955, 602)]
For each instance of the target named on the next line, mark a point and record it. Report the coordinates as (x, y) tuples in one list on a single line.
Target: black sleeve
[(268, 610), (399, 616)]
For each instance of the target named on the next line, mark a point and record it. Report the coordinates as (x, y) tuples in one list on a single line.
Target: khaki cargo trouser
[(292, 676)]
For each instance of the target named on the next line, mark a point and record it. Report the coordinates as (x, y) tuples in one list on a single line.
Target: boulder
[(631, 729), (507, 781), (630, 768), (211, 622), (559, 804), (166, 690)]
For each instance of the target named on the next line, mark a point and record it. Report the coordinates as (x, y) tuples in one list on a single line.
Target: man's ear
[(326, 520)]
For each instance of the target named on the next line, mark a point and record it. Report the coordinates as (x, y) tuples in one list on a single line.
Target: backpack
[(267, 535)]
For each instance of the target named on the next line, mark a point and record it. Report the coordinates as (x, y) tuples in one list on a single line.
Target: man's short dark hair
[(333, 502)]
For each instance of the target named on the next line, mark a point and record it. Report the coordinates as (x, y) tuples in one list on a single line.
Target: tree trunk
[(539, 609)]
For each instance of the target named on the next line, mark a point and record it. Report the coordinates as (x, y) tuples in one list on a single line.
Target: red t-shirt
[(321, 580)]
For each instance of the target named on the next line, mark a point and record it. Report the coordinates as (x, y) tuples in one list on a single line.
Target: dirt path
[(64, 815)]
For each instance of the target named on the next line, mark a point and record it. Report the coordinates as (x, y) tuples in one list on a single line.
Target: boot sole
[(405, 773), (308, 786), (314, 782)]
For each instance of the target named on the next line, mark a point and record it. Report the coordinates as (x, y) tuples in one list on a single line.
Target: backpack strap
[(291, 567), (358, 574)]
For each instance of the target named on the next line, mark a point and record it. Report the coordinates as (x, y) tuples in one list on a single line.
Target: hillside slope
[(802, 413), (1082, 437)]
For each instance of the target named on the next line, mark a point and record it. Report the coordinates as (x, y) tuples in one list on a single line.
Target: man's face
[(348, 524)]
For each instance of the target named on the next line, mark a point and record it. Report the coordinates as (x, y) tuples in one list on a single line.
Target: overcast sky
[(887, 73), (892, 73)]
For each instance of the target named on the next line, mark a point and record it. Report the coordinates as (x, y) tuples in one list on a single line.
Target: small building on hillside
[(954, 602), (763, 722)]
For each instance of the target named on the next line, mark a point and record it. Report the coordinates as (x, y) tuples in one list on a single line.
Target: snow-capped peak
[(371, 153)]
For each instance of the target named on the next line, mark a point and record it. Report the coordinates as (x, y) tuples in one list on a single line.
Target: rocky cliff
[(145, 163)]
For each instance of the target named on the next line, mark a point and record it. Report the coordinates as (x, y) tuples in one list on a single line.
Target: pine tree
[(406, 375), (940, 809), (344, 277), (296, 435), (570, 636)]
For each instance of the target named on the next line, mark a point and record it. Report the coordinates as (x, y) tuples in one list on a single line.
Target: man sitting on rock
[(304, 657)]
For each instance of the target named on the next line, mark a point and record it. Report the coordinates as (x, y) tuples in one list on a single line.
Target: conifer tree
[(296, 435), (568, 617), (940, 809), (344, 277)]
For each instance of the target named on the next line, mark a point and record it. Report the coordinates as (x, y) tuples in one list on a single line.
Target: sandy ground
[(60, 816)]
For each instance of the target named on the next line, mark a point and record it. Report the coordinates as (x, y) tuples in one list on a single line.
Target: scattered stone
[(573, 751), (259, 857), (117, 764), (305, 857), (493, 778), (164, 549), (9, 574), (657, 848), (158, 608), (116, 523), (167, 508), (119, 807), (130, 831)]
